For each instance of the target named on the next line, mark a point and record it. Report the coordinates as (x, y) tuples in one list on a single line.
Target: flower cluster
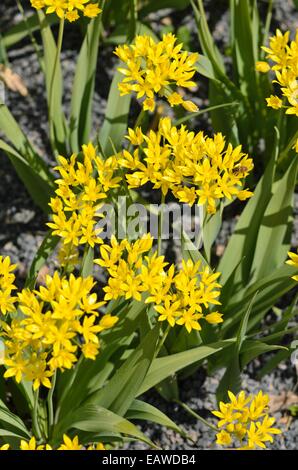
[(69, 9), (293, 261), (180, 297), (157, 68), (68, 444), (194, 167), (283, 55), (7, 279), (53, 323), (245, 421), (83, 184)]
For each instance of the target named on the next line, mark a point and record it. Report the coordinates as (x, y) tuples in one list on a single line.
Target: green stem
[(51, 91), (138, 123), (140, 119), (195, 415), (67, 388), (65, 268), (35, 423), (289, 146), (3, 53), (268, 22), (86, 252), (50, 404), (160, 224), (32, 38), (162, 340)]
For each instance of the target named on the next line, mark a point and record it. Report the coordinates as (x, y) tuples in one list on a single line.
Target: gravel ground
[(23, 224), (198, 392)]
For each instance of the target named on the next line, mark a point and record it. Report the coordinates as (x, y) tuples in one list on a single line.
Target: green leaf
[(191, 116), (254, 348), (31, 171), (156, 5), (116, 118), (12, 422), (83, 86), (44, 251), (231, 380), (87, 377), (119, 35), (241, 246), (270, 289), (191, 251), (206, 40), (123, 387), (19, 31), (204, 67), (245, 44), (58, 121), (94, 418), (211, 228), (88, 262), (164, 367), (225, 120), (274, 236), (273, 362), (7, 433), (144, 411)]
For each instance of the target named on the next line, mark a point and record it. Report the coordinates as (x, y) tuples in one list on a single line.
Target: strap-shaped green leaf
[(163, 367), (144, 411), (31, 171), (121, 390), (83, 86), (96, 419)]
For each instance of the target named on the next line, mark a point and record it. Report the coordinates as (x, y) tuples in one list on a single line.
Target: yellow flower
[(5, 447), (80, 189), (37, 4), (284, 56), (196, 168), (57, 321), (7, 279), (260, 432), (107, 321), (262, 66), (190, 106), (31, 445), (70, 444), (72, 16), (76, 4), (178, 296), (90, 350), (98, 446), (68, 9), (56, 6), (157, 68), (175, 99), (169, 311), (293, 261), (214, 318), (189, 318), (223, 438), (92, 10), (241, 421), (274, 102)]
